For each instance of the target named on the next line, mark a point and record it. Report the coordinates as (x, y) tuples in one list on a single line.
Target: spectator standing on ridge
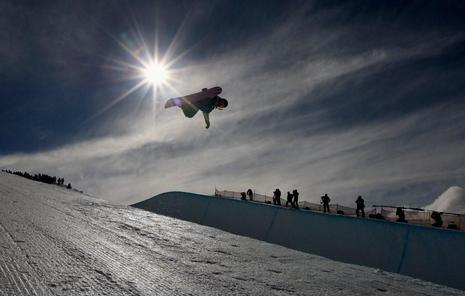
[(296, 198), (360, 206), (325, 201), (277, 197), (289, 199), (250, 194)]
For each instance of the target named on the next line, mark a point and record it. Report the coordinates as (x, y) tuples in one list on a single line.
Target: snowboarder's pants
[(189, 109)]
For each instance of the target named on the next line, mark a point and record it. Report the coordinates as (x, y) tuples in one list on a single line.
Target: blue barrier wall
[(436, 255)]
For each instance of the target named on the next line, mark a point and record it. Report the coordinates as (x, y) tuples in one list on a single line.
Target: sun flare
[(151, 74), (155, 74)]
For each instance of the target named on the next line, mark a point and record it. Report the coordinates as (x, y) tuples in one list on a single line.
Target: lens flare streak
[(151, 72)]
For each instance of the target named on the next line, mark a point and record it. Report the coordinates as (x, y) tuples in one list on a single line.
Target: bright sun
[(149, 72), (154, 74)]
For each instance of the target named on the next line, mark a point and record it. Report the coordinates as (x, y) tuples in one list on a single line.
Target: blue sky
[(337, 97)]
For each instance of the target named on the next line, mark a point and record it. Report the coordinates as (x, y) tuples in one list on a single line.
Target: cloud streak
[(298, 118)]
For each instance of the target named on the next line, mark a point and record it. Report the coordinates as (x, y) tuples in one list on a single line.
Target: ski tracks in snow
[(16, 275)]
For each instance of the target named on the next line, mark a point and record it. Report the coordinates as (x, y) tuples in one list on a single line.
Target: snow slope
[(55, 241), (424, 252), (452, 200)]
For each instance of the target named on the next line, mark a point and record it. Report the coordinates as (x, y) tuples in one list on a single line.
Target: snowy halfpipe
[(436, 255)]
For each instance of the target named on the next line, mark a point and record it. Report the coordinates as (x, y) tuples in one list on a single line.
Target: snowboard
[(204, 94)]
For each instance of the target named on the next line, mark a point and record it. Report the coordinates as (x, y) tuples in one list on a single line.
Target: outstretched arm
[(207, 119)]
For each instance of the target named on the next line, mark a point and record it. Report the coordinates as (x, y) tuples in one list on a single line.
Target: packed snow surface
[(452, 200), (55, 241)]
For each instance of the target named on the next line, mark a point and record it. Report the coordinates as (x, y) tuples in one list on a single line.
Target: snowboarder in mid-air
[(206, 101)]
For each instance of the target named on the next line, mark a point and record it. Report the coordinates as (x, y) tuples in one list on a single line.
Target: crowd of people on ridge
[(44, 178), (292, 200)]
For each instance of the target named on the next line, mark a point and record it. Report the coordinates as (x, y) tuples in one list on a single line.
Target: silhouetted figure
[(277, 197), (360, 206), (401, 214), (289, 199), (243, 196), (436, 216), (190, 106), (295, 194), (250, 194), (69, 186), (325, 201)]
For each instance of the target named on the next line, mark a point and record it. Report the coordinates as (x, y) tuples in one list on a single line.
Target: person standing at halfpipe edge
[(325, 201), (295, 194), (360, 206)]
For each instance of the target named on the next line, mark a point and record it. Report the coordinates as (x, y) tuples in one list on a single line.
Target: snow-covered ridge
[(452, 200), (418, 251)]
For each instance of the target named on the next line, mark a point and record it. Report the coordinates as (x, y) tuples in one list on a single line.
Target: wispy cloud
[(288, 125)]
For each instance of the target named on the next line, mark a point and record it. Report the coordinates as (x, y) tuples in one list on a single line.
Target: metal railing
[(412, 215)]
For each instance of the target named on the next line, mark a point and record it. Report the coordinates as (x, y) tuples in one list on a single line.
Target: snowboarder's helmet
[(222, 103)]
